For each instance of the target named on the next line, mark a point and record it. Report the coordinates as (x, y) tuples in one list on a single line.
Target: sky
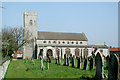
[(98, 20)]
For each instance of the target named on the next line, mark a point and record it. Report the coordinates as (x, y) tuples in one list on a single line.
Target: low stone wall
[(3, 69)]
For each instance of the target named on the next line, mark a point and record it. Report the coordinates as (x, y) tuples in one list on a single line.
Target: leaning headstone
[(99, 61), (65, 59), (79, 62), (91, 63), (68, 60), (113, 70), (85, 64), (73, 61), (107, 61)]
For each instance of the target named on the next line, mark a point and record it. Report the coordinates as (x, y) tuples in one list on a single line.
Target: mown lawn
[(20, 69)]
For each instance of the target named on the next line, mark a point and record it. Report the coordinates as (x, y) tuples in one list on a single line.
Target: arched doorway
[(49, 53), (67, 51), (76, 52), (41, 52)]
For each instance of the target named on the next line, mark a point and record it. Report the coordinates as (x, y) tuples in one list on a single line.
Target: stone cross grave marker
[(113, 70)]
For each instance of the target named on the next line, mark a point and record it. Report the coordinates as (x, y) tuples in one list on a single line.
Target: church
[(56, 43)]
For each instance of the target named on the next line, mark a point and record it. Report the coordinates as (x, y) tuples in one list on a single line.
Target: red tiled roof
[(19, 52), (114, 49)]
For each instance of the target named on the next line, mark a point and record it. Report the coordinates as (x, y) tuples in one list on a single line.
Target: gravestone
[(47, 63), (65, 59), (91, 63), (42, 66), (56, 60), (107, 61), (93, 55), (33, 61), (68, 60), (59, 61), (113, 70), (79, 62), (49, 59), (99, 61), (85, 64), (73, 61)]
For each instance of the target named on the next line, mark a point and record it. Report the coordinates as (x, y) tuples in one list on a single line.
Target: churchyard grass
[(20, 69)]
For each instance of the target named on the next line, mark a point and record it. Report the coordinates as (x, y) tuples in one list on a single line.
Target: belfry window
[(31, 23)]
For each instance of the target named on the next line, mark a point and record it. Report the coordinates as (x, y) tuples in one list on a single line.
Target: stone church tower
[(30, 26)]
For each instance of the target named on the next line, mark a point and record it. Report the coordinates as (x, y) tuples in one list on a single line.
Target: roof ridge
[(60, 32)]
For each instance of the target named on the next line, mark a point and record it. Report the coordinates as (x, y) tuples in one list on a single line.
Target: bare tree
[(13, 38)]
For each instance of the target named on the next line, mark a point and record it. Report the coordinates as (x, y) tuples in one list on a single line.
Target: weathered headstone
[(99, 60), (113, 70), (85, 64), (47, 64), (91, 63), (65, 59), (42, 66), (49, 59), (33, 61), (59, 61), (107, 61), (93, 55), (56, 60), (73, 61), (79, 62), (68, 60)]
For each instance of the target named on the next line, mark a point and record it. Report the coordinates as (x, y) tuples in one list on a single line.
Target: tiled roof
[(114, 49), (61, 36)]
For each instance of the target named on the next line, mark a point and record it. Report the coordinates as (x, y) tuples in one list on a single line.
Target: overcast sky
[(98, 20)]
